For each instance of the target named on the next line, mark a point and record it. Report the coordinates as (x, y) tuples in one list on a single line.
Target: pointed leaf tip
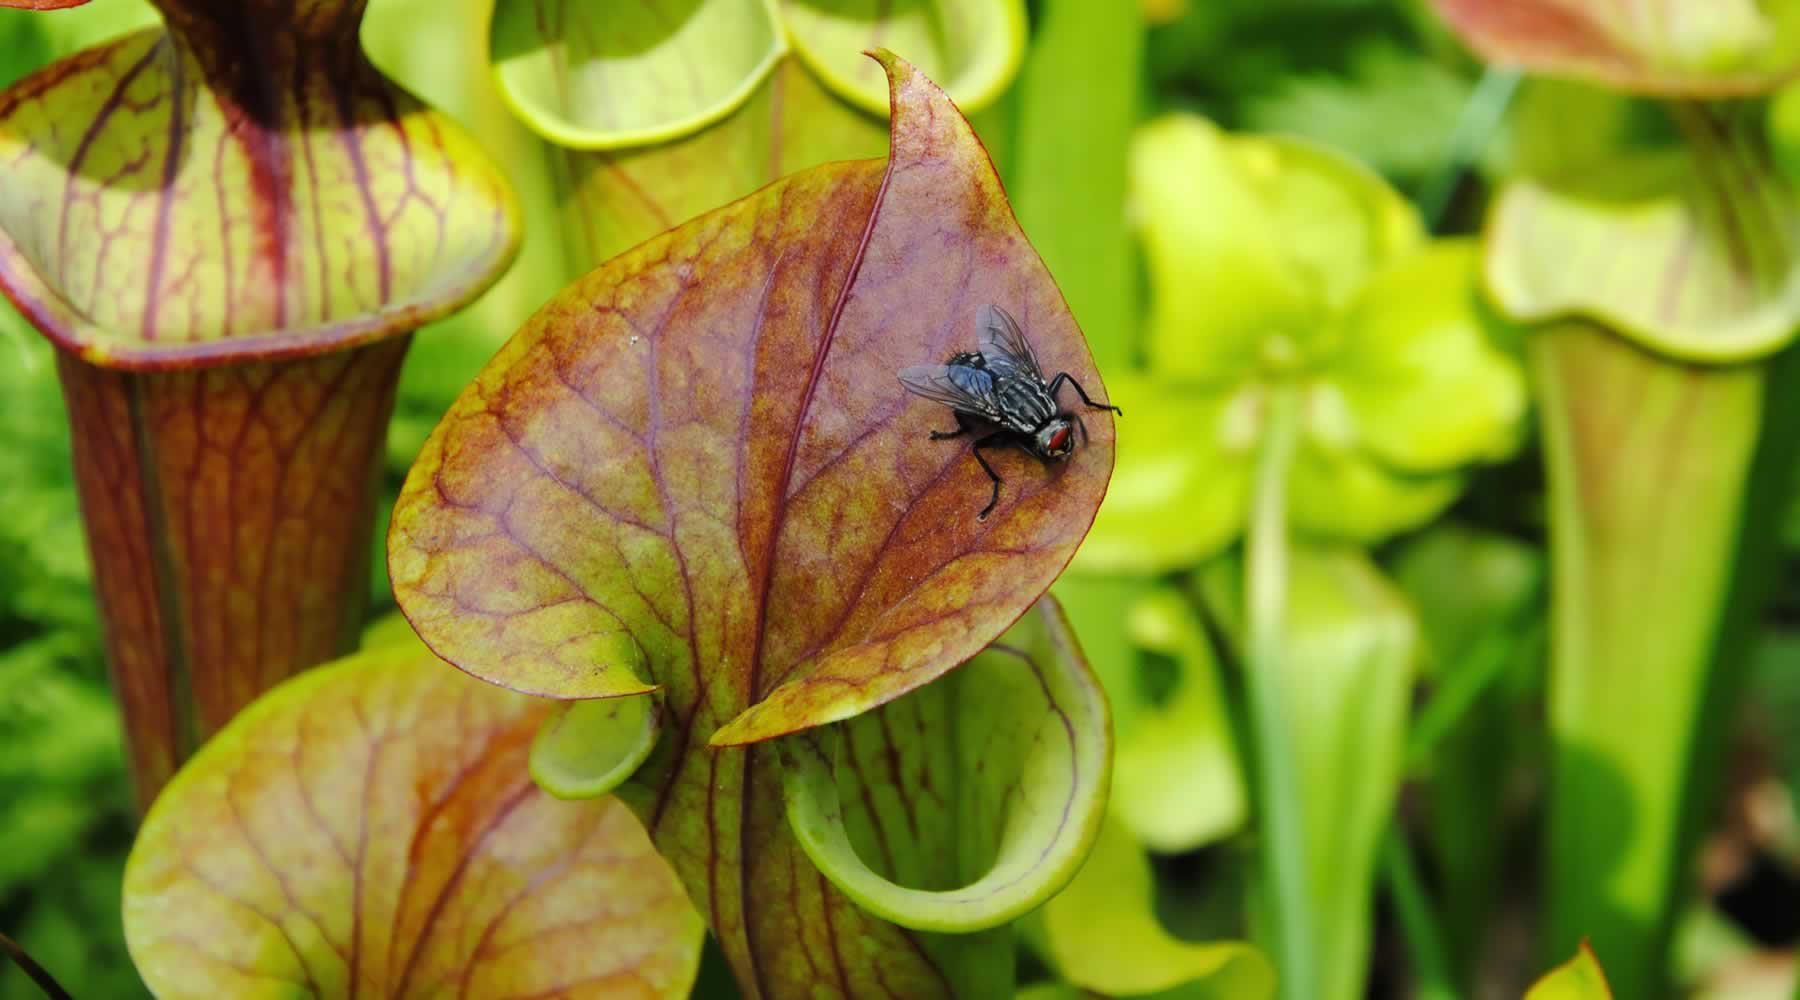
[(973, 48), (1580, 978), (700, 450), (693, 452)]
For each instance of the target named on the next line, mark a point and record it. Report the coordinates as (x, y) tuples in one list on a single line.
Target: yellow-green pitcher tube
[(1665, 480)]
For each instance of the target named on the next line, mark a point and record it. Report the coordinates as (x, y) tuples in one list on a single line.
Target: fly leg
[(962, 427), (1082, 424), (993, 440), (1061, 377)]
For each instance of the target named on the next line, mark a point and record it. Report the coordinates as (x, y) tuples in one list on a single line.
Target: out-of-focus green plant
[(1479, 596), (1278, 267), (1658, 253), (1394, 107), (1311, 361), (44, 576), (1062, 127), (64, 811), (1177, 783), (1101, 934), (744, 92), (1332, 646)]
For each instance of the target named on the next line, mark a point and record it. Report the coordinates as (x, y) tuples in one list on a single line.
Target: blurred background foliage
[(1428, 539)]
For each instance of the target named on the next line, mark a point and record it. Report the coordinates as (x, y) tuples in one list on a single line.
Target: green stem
[(1284, 854), (1462, 688), (1481, 115), (1079, 91), (1418, 920)]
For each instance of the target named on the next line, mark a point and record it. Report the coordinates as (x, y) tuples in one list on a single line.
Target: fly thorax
[(1024, 404)]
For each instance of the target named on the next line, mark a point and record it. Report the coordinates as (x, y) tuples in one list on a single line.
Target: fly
[(999, 388)]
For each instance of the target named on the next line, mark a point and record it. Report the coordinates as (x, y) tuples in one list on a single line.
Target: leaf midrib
[(766, 571)]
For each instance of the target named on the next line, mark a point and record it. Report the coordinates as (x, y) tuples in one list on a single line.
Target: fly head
[(1056, 438)]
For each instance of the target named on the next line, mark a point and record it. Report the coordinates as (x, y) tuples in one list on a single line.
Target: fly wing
[(1003, 345), (959, 388)]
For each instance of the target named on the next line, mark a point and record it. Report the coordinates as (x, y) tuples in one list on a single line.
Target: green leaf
[(60, 776), (1423, 372), (972, 47), (1689, 253), (1349, 645), (1580, 978), (1561, 128), (1341, 492), (1275, 263), (1466, 584), (1478, 595), (23, 45), (1665, 47), (33, 40), (603, 76), (1178, 784), (1394, 108), (1219, 270), (1337, 219), (368, 828), (694, 472), (1101, 934), (1028, 771)]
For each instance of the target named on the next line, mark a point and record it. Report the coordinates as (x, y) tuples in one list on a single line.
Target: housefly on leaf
[(999, 388)]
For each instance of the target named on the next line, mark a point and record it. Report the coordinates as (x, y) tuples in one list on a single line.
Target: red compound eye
[(1059, 440)]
